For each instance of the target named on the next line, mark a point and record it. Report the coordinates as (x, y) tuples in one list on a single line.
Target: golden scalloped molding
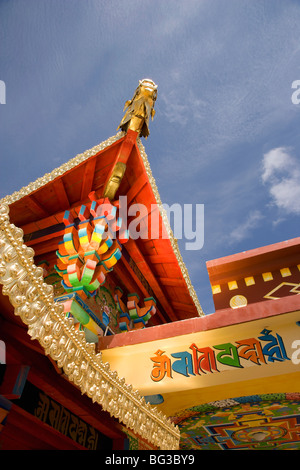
[(33, 302)]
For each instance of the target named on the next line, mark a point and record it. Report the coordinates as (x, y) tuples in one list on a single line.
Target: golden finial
[(140, 108)]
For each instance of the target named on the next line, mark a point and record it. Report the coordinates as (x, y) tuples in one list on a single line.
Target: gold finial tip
[(141, 108), (148, 84)]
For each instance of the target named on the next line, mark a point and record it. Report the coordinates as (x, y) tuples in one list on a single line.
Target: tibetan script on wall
[(198, 360)]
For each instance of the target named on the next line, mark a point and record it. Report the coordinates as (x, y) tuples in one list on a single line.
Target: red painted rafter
[(61, 194), (123, 153), (183, 306), (171, 282), (137, 186), (88, 178), (46, 244), (128, 278), (144, 267), (159, 259), (35, 207)]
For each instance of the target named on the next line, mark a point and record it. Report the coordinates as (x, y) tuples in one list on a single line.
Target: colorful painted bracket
[(89, 249), (133, 317), (74, 306)]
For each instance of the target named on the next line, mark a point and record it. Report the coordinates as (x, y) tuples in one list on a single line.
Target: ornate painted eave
[(23, 217), (80, 159), (33, 302)]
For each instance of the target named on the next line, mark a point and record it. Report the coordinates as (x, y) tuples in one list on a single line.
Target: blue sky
[(225, 134)]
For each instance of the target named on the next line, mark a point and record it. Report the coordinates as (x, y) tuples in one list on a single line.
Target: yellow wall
[(180, 391)]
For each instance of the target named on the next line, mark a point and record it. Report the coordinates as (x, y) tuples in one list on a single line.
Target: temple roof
[(150, 267), (33, 224)]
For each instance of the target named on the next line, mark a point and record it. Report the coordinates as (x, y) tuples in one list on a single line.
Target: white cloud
[(281, 174), (177, 109), (275, 162), (244, 230)]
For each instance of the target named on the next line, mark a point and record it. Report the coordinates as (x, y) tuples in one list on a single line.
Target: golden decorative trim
[(173, 240), (216, 289), (114, 181), (232, 285), (33, 302), (285, 272), (267, 276), (294, 290), (249, 281)]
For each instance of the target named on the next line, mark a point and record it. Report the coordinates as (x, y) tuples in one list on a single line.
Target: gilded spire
[(140, 108)]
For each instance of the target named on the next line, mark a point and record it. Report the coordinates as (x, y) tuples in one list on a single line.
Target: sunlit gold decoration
[(140, 108), (115, 180), (33, 302), (238, 301), (135, 123), (118, 169)]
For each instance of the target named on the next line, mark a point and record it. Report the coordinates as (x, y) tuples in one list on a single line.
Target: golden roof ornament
[(135, 124), (140, 108)]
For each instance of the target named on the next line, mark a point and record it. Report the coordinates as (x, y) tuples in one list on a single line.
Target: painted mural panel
[(259, 422)]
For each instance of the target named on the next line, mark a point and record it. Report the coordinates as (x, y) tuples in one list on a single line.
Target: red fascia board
[(220, 319), (267, 258)]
